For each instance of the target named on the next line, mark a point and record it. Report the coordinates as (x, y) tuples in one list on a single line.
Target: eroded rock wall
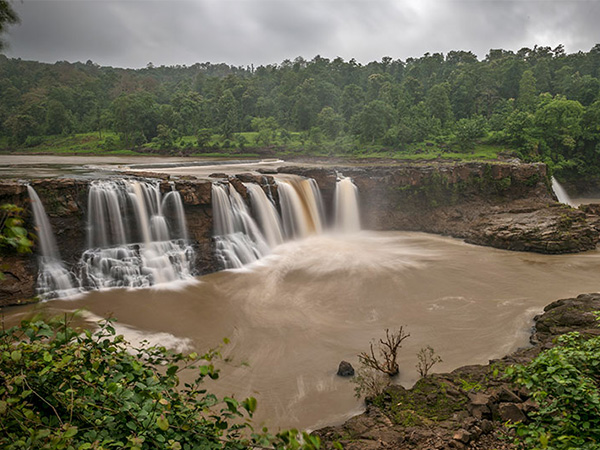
[(498, 204), (502, 205)]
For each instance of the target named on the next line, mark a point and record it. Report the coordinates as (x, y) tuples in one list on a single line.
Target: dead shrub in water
[(387, 353)]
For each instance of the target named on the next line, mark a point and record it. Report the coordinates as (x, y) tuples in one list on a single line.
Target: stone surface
[(511, 412), (345, 369)]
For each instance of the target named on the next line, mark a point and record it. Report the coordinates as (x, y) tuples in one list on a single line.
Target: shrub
[(565, 382), (13, 236), (385, 361), (427, 358), (67, 389)]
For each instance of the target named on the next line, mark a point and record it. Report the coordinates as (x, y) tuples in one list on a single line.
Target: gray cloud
[(131, 33)]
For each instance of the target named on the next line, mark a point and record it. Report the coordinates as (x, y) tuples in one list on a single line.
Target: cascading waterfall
[(560, 193), (238, 238), (266, 214), (301, 207), (242, 237), (132, 243), (54, 280), (347, 216)]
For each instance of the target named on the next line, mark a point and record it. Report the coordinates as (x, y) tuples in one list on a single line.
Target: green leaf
[(162, 422), (71, 431), (3, 407), (15, 356), (249, 404), (172, 370)]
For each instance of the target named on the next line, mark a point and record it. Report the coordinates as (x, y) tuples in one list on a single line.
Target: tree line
[(541, 102)]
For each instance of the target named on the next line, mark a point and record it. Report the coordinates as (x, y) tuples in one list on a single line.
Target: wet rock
[(248, 178), (511, 412), (504, 395), (218, 175), (345, 369)]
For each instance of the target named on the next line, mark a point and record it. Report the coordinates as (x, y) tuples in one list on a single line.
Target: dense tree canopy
[(540, 102)]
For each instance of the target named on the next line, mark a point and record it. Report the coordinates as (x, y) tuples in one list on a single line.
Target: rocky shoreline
[(468, 407)]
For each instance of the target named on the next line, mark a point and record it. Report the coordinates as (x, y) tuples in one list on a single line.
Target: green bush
[(67, 389), (13, 236), (565, 382)]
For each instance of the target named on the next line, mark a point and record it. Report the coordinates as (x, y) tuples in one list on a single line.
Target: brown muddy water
[(294, 315)]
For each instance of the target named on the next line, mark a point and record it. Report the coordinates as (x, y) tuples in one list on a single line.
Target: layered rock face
[(498, 204), (507, 206)]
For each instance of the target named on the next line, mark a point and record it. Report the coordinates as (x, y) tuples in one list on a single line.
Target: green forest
[(537, 104)]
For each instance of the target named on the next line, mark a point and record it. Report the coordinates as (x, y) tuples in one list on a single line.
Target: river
[(294, 315)]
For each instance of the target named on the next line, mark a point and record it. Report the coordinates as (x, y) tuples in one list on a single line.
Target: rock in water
[(345, 369)]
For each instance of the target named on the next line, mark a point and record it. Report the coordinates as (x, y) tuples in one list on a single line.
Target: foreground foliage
[(62, 389), (13, 236), (565, 382)]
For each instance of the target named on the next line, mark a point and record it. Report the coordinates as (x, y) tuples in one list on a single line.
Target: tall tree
[(8, 16)]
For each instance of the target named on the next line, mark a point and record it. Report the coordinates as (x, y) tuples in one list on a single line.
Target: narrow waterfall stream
[(560, 193), (54, 280), (347, 216)]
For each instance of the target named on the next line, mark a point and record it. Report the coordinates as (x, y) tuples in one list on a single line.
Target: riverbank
[(467, 408)]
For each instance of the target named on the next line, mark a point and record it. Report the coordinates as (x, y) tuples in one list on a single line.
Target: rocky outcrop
[(468, 407), (502, 205), (65, 202)]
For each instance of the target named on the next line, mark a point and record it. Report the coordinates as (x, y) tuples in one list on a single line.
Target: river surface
[(294, 315)]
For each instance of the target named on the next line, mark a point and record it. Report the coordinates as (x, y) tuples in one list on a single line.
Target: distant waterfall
[(347, 216), (560, 193), (54, 280), (243, 235), (132, 243)]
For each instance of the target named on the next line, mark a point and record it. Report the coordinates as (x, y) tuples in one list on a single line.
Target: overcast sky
[(132, 33)]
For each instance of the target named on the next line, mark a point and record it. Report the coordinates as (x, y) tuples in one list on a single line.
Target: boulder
[(345, 369)]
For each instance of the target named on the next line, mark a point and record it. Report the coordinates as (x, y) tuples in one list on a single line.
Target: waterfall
[(347, 216), (242, 237), (238, 239), (173, 200), (132, 243), (560, 193), (301, 207), (54, 280), (266, 213)]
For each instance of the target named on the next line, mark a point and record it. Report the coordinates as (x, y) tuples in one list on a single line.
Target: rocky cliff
[(502, 205), (498, 204)]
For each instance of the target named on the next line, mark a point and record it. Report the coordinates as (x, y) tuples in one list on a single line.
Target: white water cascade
[(266, 214), (242, 237), (560, 193), (132, 243), (347, 216), (301, 207), (54, 280), (238, 238)]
